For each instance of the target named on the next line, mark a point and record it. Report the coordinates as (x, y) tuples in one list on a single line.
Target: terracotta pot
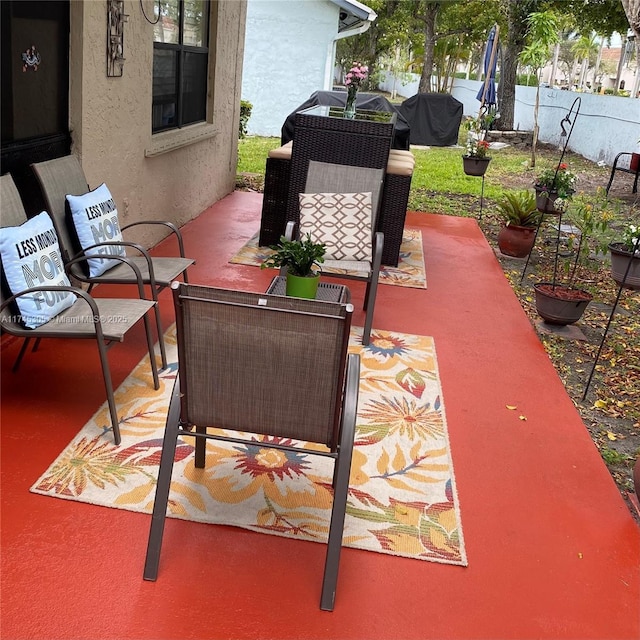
[(620, 262), (634, 165), (473, 166), (516, 241), (559, 304)]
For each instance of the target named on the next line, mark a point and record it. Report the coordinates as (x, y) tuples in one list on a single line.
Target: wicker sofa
[(393, 207)]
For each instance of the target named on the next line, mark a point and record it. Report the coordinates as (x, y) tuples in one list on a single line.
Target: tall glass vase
[(350, 106)]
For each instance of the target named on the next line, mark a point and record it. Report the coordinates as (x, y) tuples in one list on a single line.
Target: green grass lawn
[(438, 172)]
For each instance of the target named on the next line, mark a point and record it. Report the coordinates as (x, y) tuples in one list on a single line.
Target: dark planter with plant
[(517, 237), (298, 258), (563, 304), (554, 187), (625, 258), (560, 304), (476, 161)]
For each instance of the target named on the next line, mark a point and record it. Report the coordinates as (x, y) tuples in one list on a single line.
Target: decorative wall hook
[(116, 18)]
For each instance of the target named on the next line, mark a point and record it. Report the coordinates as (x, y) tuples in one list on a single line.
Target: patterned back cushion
[(342, 221), (95, 218), (31, 258)]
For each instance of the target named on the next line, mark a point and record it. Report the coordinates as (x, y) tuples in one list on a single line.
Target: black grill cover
[(369, 101), (434, 118)]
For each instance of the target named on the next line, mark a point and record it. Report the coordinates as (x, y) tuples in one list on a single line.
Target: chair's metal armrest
[(82, 257), (290, 230), (289, 234), (79, 293), (615, 162), (172, 227)]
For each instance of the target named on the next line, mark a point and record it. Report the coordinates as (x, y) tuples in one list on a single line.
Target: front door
[(35, 89)]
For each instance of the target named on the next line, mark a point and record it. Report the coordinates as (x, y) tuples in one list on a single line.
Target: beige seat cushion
[(283, 152), (400, 162)]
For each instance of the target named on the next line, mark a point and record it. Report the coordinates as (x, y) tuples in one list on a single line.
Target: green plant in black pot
[(299, 258)]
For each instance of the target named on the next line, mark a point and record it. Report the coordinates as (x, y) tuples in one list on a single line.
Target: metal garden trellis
[(570, 120)]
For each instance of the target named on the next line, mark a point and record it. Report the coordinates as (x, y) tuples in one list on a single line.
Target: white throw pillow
[(342, 221), (95, 217), (31, 258)]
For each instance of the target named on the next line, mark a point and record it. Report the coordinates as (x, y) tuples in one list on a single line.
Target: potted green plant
[(625, 258), (475, 161), (564, 303), (554, 188), (299, 258), (521, 217)]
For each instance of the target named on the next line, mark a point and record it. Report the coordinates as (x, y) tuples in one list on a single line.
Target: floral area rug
[(402, 496), (410, 271)]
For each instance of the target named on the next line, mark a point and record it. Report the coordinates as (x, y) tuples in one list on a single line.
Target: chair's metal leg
[(163, 486), (23, 350), (108, 385), (152, 355), (201, 448), (372, 287), (370, 299), (163, 352), (341, 484), (613, 172)]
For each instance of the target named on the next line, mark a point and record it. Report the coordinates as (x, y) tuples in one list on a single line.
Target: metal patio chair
[(336, 233), (267, 365), (64, 176), (105, 320)]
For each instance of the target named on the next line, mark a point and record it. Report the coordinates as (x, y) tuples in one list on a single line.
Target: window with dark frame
[(180, 63)]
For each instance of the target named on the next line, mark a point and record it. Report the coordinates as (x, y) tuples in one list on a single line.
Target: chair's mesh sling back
[(247, 363)]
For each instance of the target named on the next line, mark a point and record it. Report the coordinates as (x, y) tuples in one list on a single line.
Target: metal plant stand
[(613, 310), (569, 119)]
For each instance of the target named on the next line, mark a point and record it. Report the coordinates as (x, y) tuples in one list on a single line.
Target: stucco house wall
[(288, 44), (173, 175)]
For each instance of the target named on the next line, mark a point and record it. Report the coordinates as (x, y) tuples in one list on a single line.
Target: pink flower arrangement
[(356, 75)]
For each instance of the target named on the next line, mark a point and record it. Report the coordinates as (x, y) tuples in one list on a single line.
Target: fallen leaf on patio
[(511, 407), (579, 555), (522, 417), (599, 404), (611, 436)]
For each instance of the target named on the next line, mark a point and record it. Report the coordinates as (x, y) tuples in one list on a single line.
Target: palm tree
[(584, 47)]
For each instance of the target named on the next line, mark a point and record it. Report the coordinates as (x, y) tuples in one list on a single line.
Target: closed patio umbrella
[(487, 93)]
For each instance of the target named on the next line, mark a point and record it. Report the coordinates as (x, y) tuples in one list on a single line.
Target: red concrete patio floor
[(553, 551)]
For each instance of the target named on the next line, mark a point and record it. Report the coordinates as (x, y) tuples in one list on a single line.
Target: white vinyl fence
[(605, 126)]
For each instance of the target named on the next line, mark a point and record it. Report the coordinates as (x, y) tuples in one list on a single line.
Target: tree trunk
[(481, 65), (636, 84), (516, 12), (554, 66), (620, 64), (507, 87), (431, 12), (583, 73), (596, 69)]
